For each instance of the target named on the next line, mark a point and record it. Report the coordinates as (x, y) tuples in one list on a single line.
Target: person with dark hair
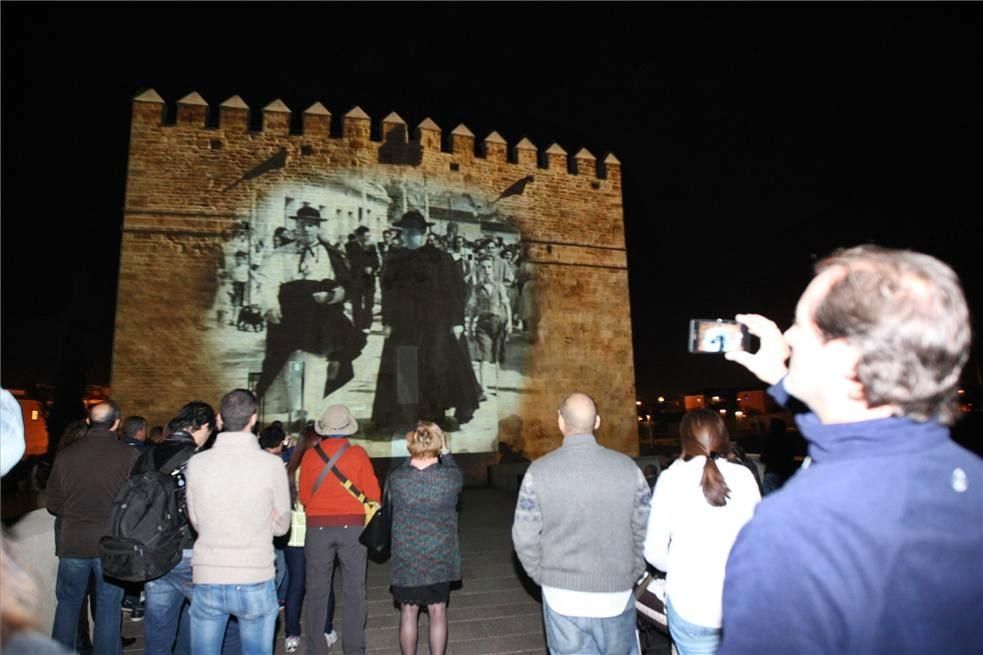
[(271, 440), (742, 458), (886, 515), (83, 501), (72, 433), (166, 621), (134, 433), (651, 473), (238, 500), (578, 531), (426, 555), (281, 237), (241, 275), (778, 457), (237, 411), (424, 369), (155, 436), (699, 505), (294, 553), (463, 258), (489, 317), (364, 261), (305, 285)]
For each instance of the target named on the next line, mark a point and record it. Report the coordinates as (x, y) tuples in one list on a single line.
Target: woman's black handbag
[(377, 533)]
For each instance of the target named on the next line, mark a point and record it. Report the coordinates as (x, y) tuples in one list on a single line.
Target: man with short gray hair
[(875, 546), (579, 531), (134, 433)]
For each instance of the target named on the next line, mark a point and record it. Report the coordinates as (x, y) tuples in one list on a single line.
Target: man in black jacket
[(424, 368), (364, 260), (84, 480), (167, 597), (305, 284)]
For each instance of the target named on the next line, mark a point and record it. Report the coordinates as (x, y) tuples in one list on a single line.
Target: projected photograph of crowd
[(399, 298)]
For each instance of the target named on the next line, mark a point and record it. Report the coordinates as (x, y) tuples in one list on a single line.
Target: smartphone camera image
[(717, 336)]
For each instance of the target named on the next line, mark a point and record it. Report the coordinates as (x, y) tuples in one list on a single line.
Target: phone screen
[(716, 335)]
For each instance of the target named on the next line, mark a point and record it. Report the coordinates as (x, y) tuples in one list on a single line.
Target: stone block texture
[(182, 205)]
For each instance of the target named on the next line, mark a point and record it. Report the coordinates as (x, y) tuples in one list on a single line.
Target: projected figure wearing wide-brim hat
[(425, 368), (304, 287)]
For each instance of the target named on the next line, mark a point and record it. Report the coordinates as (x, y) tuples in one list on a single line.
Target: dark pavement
[(495, 611)]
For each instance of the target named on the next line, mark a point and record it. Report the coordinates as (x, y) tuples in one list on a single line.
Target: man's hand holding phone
[(768, 363)]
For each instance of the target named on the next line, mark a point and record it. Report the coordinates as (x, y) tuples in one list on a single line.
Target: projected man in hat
[(304, 288), (425, 369)]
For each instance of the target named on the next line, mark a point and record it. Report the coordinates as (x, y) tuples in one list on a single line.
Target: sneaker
[(136, 614), (331, 638), (291, 644)]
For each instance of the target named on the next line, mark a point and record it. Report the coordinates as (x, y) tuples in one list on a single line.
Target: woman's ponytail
[(702, 432), (715, 489)]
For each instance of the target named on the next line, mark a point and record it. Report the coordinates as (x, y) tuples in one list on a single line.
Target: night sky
[(753, 138)]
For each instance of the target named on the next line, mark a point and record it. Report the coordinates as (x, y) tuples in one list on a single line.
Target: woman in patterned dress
[(426, 555)]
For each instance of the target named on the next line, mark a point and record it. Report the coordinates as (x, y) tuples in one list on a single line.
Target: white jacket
[(690, 539)]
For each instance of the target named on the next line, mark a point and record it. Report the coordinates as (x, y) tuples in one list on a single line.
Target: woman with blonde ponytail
[(699, 505)]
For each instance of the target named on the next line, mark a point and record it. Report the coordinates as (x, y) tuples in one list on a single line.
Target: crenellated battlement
[(222, 201), (150, 111)]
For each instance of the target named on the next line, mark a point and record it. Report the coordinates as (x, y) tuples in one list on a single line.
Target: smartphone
[(717, 336)]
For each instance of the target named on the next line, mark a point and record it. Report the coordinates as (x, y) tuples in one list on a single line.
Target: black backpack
[(145, 526)]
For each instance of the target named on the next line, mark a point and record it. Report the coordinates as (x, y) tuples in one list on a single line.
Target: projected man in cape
[(305, 283), (425, 369)]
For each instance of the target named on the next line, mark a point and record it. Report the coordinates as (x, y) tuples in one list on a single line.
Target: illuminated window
[(34, 415)]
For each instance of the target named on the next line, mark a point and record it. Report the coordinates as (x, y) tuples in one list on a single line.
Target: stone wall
[(185, 193)]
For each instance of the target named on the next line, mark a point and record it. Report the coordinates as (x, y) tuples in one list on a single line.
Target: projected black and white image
[(400, 299)]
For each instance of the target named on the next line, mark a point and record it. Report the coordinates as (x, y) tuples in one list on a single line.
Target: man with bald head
[(579, 531), (84, 480)]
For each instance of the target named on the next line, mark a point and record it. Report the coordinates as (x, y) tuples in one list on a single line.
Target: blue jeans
[(73, 578), (691, 639), (296, 589), (167, 624), (578, 635), (254, 605), (166, 611)]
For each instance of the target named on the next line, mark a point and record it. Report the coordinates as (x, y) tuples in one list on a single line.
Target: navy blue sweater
[(876, 547)]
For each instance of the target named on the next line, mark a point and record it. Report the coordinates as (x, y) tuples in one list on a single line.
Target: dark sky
[(753, 137)]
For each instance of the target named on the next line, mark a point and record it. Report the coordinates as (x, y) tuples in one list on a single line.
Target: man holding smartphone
[(883, 526)]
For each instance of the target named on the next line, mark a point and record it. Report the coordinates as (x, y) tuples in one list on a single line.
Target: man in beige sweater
[(238, 500)]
